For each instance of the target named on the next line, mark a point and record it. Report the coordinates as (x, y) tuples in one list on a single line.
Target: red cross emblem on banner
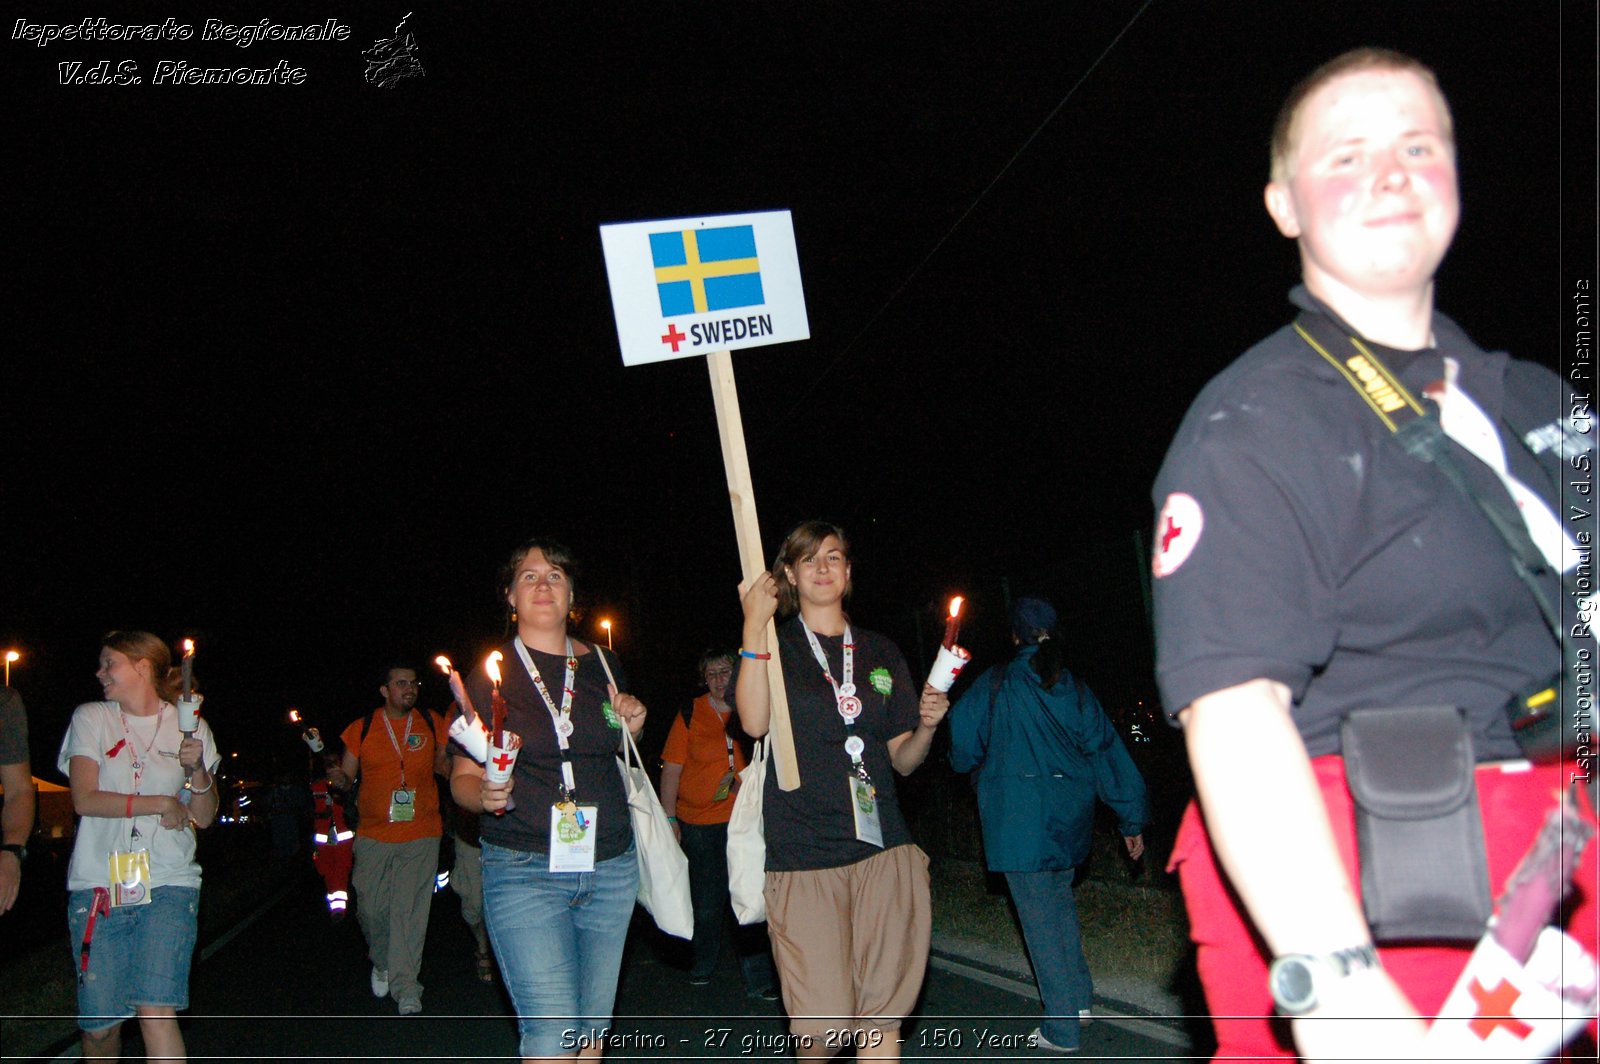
[(1494, 1010), (673, 337), (503, 761)]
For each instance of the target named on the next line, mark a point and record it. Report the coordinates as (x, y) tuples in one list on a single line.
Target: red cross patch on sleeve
[(1177, 533)]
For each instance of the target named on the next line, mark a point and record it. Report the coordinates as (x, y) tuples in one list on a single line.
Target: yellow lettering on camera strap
[(1372, 380)]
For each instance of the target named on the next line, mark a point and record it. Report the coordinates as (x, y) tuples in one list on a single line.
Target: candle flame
[(492, 667), (443, 663), (294, 716), (955, 606), (188, 648)]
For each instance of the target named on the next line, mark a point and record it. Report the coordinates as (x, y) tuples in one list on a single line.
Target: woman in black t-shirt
[(846, 888), (560, 873)]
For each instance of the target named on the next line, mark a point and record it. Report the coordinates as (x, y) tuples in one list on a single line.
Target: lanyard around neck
[(139, 763), (398, 752), (844, 694), (560, 718)]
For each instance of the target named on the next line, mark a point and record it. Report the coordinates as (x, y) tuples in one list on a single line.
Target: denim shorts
[(140, 954), (558, 937)]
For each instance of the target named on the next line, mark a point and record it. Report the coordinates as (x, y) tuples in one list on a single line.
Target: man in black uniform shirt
[(1306, 566)]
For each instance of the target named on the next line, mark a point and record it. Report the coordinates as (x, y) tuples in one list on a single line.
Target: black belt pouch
[(1424, 874)]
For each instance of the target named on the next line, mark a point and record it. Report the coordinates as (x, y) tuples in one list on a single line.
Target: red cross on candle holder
[(1494, 1011)]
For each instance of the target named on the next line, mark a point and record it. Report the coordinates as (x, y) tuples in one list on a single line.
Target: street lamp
[(11, 655), (606, 624)]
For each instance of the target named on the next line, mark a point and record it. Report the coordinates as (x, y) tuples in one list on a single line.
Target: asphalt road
[(288, 985)]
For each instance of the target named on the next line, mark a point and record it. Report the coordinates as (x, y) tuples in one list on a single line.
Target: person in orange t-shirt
[(699, 778), (397, 839)]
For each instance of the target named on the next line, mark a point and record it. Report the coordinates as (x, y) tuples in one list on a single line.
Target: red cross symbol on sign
[(674, 337), (503, 761), (1494, 1010)]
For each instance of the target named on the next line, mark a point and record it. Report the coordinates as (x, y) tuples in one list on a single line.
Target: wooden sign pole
[(741, 493)]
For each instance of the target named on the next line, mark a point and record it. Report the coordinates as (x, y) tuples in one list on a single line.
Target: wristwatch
[(1300, 980), (17, 848)]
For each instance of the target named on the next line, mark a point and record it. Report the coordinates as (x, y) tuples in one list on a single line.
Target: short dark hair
[(388, 673), (714, 654)]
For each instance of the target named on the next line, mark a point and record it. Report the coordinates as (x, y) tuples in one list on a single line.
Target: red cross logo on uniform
[(674, 337), (1494, 1011), (1172, 532), (1177, 533)]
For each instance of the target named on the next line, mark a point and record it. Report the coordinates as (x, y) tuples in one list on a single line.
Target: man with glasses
[(396, 751), (699, 778)]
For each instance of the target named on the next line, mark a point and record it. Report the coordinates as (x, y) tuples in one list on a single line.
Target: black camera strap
[(1535, 720), (1418, 429)]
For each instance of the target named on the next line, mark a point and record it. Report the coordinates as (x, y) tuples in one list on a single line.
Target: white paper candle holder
[(947, 666)]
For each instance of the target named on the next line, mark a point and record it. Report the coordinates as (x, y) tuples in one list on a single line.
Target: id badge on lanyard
[(402, 805), (572, 837), (130, 878), (129, 870), (403, 799), (864, 804), (863, 794), (730, 779)]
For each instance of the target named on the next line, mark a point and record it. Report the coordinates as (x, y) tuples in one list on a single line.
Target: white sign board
[(691, 286)]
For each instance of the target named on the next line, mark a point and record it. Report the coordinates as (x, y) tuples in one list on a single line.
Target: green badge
[(612, 720), (881, 681), (569, 831)]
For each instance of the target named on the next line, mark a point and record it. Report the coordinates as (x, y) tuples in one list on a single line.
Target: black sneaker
[(699, 980), (766, 993)]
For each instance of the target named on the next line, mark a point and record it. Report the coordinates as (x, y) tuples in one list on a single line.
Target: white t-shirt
[(101, 732)]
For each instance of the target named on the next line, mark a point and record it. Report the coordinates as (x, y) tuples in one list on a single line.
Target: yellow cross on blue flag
[(691, 286), (706, 269)]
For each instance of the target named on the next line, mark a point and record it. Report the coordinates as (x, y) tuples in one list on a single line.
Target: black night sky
[(292, 368)]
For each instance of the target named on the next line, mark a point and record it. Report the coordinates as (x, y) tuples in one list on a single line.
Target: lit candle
[(294, 716), (458, 690), (188, 668), (497, 705), (952, 627)]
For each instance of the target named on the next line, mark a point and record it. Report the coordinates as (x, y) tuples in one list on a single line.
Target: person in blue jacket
[(1042, 749)]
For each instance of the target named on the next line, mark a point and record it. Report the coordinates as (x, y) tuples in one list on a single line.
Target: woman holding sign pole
[(846, 888), (560, 872)]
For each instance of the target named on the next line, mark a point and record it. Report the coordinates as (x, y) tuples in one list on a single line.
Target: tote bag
[(747, 842), (663, 869)]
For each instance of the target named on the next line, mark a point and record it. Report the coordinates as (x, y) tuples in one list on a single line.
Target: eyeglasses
[(406, 683), (712, 674)]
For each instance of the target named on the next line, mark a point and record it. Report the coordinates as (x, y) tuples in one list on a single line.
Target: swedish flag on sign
[(706, 269)]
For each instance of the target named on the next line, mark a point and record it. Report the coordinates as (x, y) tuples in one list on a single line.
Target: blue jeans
[(1055, 946), (140, 954), (706, 847), (558, 937)]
